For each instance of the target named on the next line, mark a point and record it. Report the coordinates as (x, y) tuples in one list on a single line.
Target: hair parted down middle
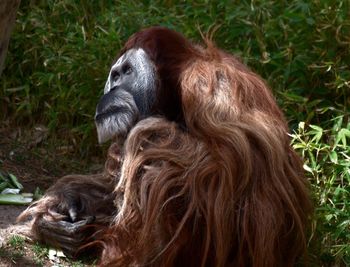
[(226, 191)]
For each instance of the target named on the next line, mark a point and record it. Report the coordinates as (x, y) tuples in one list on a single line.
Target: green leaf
[(307, 168), (341, 136), (15, 182), (3, 177), (301, 125), (333, 156), (3, 185), (37, 193), (317, 133), (328, 217), (11, 199)]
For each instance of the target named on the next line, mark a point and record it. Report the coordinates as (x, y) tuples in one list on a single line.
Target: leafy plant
[(327, 162), (40, 253), (56, 77), (17, 241)]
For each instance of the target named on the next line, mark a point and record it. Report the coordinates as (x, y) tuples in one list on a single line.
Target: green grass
[(60, 53), (16, 242), (41, 253), (15, 251)]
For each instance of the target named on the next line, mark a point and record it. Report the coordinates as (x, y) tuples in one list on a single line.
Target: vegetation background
[(60, 53)]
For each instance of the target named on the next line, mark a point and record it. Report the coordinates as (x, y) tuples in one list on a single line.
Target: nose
[(113, 88), (113, 81)]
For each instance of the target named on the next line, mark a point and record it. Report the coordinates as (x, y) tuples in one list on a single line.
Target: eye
[(127, 69)]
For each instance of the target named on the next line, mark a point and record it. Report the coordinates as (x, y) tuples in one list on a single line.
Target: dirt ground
[(33, 159), (8, 228), (8, 215)]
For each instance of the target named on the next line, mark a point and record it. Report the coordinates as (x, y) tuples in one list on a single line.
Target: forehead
[(131, 54)]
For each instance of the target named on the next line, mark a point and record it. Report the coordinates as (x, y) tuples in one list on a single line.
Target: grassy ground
[(61, 50), (19, 252)]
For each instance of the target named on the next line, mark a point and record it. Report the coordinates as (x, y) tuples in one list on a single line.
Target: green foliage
[(61, 50), (41, 253), (327, 163), (17, 242), (14, 250)]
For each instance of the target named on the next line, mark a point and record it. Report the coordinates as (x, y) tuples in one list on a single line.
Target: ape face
[(129, 94)]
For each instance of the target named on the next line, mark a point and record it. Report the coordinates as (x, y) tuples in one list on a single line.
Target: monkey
[(129, 94), (200, 171)]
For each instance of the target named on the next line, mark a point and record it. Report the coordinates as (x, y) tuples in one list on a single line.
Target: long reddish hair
[(221, 186)]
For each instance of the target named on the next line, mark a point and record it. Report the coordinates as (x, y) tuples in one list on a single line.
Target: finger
[(64, 227), (59, 240), (63, 238), (73, 214)]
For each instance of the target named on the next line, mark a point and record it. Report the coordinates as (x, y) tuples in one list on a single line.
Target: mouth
[(110, 111)]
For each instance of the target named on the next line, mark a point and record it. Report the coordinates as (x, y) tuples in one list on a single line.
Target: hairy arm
[(68, 214), (75, 207)]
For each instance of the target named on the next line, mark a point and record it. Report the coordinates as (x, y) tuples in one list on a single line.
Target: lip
[(110, 111)]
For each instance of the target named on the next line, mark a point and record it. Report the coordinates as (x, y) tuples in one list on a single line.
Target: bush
[(327, 161)]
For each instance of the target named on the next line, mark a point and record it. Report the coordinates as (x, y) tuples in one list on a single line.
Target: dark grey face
[(129, 94)]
